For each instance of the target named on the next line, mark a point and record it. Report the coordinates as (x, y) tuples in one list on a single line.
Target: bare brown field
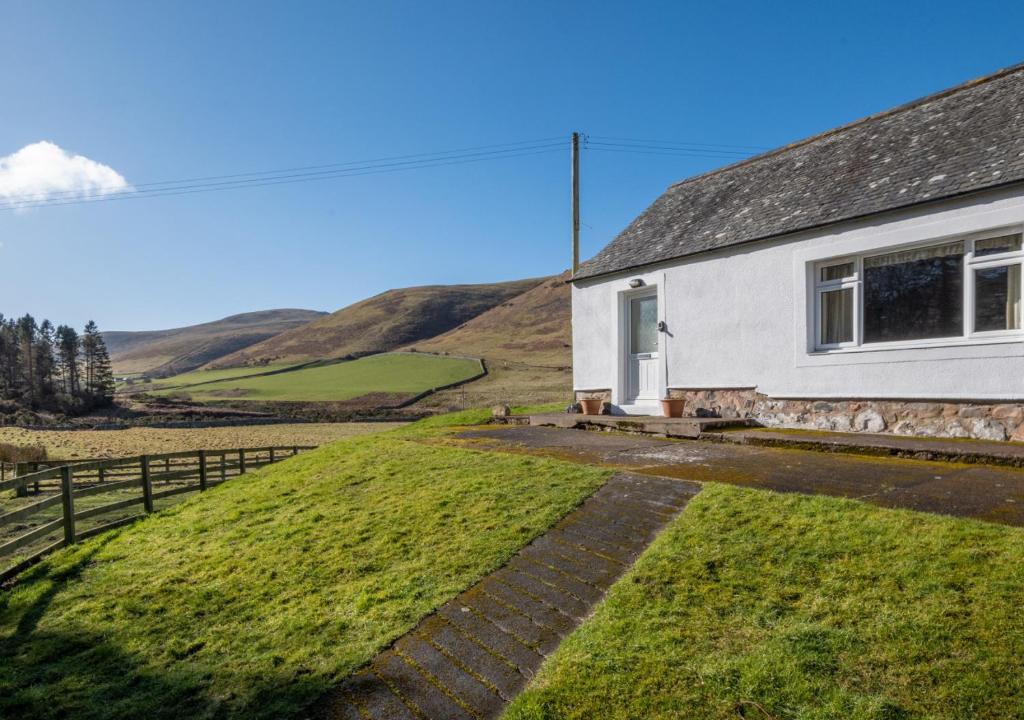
[(505, 383), (142, 440)]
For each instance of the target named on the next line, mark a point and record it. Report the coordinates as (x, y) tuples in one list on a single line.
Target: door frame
[(620, 391)]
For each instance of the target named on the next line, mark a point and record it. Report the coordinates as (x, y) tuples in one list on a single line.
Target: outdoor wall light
[(636, 282)]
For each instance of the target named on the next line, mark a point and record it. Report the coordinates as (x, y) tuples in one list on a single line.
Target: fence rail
[(59, 502)]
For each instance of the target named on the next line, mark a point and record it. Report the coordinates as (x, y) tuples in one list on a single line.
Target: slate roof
[(965, 139)]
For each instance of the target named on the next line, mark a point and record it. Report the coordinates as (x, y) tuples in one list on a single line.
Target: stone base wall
[(602, 395), (980, 420)]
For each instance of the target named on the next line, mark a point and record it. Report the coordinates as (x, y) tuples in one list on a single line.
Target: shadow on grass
[(83, 675), (58, 577)]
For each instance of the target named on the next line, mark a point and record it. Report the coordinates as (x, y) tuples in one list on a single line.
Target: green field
[(765, 606), (254, 598), (203, 376), (400, 373)]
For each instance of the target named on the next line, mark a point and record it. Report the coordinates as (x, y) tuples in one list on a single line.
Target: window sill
[(979, 340)]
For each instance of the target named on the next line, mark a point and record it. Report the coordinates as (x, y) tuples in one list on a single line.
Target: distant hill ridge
[(161, 353), (388, 321)]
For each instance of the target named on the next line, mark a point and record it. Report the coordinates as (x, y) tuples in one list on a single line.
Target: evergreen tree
[(26, 333), (99, 378), (45, 359), (68, 352), (8, 359), (42, 367)]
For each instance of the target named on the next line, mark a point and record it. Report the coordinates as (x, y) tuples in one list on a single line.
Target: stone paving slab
[(467, 660)]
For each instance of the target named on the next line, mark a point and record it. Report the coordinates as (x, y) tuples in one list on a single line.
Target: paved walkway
[(467, 660), (979, 491)]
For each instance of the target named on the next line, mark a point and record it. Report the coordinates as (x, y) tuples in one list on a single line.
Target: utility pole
[(575, 202)]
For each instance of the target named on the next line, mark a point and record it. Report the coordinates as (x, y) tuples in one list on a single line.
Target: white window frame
[(855, 282), (850, 282)]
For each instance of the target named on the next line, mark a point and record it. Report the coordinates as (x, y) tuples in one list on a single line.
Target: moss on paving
[(758, 605), (252, 599)]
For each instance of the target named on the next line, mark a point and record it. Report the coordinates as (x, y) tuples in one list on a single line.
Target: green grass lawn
[(406, 373), (764, 606), (252, 599)]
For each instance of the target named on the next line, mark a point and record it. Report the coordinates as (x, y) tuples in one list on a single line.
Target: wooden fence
[(56, 503)]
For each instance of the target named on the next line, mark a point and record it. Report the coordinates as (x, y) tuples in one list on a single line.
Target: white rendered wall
[(738, 318)]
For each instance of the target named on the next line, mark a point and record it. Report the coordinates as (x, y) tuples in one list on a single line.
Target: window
[(956, 289), (837, 295), (643, 325), (914, 294)]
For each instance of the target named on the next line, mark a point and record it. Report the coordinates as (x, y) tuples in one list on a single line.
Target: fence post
[(68, 502), (223, 467), (271, 454), (147, 485), (19, 470), (241, 461), (202, 469), (295, 450)]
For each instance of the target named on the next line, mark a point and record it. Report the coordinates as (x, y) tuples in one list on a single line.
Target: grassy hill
[(390, 376), (526, 342), (387, 321), (168, 352), (532, 328)]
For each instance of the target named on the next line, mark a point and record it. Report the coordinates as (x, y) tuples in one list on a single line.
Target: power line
[(669, 149), (365, 168), (389, 164), (729, 158), (426, 155), (754, 148)]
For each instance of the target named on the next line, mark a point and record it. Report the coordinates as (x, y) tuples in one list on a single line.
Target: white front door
[(642, 350)]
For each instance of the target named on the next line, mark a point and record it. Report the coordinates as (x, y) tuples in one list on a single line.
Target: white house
[(868, 278)]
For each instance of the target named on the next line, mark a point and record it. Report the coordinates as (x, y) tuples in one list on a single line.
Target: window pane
[(992, 246), (643, 325), (997, 298), (837, 272), (914, 294), (837, 316)]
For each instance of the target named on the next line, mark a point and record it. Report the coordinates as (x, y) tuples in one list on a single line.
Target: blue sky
[(173, 90)]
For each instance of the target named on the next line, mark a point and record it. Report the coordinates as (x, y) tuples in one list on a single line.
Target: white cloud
[(45, 171)]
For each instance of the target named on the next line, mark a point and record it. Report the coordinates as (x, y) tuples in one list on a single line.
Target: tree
[(99, 378), (68, 353), (26, 335), (8, 359), (45, 358), (41, 367)]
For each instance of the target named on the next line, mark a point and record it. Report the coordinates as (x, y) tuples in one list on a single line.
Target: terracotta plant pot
[(672, 407), (591, 406)]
